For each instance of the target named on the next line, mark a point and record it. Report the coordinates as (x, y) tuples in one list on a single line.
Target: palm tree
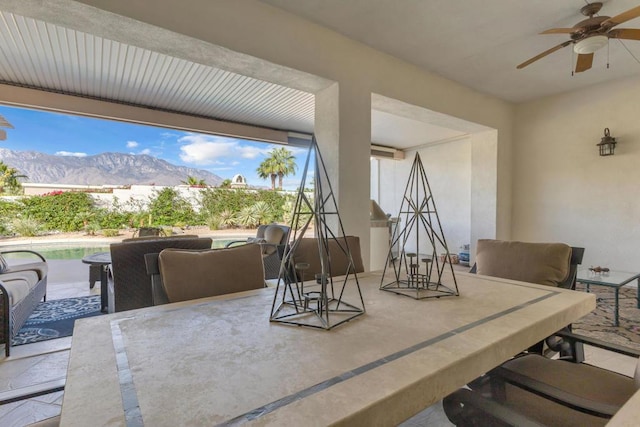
[(285, 163), (267, 169), (9, 178), (193, 181), (280, 163)]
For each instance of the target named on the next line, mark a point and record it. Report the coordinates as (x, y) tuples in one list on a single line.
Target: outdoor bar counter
[(219, 361)]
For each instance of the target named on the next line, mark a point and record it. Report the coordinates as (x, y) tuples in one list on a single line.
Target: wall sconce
[(607, 144)]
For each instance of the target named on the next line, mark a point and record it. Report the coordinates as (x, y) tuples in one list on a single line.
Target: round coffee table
[(101, 261)]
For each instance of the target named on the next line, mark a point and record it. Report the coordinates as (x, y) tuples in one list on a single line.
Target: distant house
[(238, 181)]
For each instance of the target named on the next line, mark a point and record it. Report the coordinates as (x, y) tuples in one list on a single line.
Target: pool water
[(80, 250)]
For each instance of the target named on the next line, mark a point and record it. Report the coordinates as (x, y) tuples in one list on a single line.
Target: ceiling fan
[(591, 34)]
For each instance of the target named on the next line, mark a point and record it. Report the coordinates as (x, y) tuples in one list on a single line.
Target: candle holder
[(418, 271), (320, 303)]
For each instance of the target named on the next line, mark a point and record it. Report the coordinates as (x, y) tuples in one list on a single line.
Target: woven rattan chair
[(130, 283)]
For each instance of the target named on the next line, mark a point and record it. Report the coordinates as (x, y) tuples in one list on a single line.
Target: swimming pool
[(78, 250)]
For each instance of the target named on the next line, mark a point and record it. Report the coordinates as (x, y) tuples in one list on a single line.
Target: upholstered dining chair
[(553, 264), (533, 390), (181, 275), (307, 253), (270, 237)]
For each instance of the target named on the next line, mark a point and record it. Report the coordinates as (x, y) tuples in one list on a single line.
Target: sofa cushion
[(19, 284), (192, 274), (542, 263)]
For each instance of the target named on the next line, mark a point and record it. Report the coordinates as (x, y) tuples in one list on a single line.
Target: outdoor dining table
[(220, 361)]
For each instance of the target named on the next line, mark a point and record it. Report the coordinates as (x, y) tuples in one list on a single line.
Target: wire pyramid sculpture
[(417, 270), (320, 304)]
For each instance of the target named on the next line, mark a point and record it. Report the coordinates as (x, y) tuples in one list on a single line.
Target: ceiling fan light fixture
[(590, 44)]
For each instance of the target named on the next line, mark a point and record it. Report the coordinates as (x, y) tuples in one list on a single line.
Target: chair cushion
[(577, 379), (542, 263), (192, 274), (19, 284), (39, 267)]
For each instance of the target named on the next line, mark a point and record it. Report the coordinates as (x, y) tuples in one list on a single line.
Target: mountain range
[(101, 169)]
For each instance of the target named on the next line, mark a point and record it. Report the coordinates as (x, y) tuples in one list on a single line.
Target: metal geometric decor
[(418, 272), (319, 302)]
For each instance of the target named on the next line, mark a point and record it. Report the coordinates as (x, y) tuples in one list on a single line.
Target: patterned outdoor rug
[(55, 319), (599, 323)]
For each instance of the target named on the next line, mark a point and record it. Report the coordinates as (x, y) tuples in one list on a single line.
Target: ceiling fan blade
[(543, 54), (625, 33), (559, 31), (585, 60), (623, 17)]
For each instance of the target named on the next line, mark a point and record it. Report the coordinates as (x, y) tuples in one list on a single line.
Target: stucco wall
[(563, 190), (448, 170)]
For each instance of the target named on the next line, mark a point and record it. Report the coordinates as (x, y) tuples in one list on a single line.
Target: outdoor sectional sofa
[(22, 285)]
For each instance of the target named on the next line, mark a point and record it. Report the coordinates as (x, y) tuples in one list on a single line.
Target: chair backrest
[(273, 235), (131, 284), (307, 252), (552, 264), (191, 274), (173, 236)]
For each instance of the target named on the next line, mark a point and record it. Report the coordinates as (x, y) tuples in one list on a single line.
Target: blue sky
[(68, 135)]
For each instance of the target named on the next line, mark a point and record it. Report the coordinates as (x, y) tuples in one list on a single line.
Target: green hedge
[(77, 211)]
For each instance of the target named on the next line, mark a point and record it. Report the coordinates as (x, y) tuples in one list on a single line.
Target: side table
[(101, 260), (612, 279)]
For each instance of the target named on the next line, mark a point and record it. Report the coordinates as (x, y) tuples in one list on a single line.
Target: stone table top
[(220, 361)]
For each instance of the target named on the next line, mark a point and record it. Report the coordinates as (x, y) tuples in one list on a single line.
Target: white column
[(343, 131), (484, 185)]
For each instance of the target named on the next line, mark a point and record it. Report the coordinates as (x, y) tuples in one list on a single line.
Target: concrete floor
[(45, 361)]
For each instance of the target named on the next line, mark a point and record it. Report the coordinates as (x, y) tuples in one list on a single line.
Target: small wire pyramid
[(417, 269), (320, 304)]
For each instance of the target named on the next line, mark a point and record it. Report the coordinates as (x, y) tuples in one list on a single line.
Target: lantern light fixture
[(607, 144)]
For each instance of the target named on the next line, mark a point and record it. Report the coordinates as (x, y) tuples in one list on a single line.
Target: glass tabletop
[(610, 278)]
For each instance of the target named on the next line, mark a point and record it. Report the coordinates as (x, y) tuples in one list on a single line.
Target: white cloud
[(132, 144), (250, 152), (70, 154), (145, 151), (208, 149)]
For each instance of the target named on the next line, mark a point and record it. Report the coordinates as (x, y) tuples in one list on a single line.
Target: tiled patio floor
[(44, 361)]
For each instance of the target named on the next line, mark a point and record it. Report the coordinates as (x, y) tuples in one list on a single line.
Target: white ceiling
[(475, 42), (478, 43)]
